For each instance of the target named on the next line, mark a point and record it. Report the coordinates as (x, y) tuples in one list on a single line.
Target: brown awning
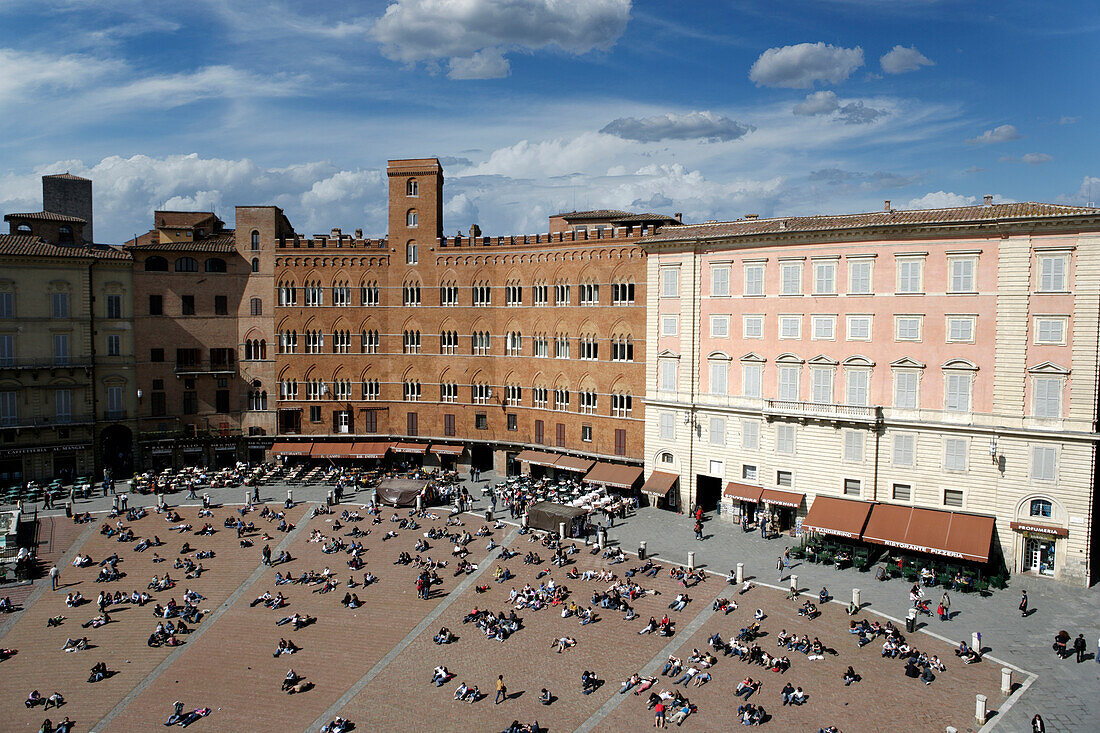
[(330, 450), (410, 448), (1048, 529), (660, 483), (840, 517), (446, 450), (951, 534), (610, 474), (291, 449), (743, 492), (538, 458), (572, 463), (369, 450), (782, 498)]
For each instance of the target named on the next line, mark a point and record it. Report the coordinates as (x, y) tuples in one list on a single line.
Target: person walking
[(502, 691), (698, 530), (945, 602), (1079, 646), (55, 577), (779, 568), (1023, 604)]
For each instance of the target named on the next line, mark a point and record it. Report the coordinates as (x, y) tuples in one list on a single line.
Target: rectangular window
[(7, 305), (620, 442), (857, 387), (748, 472), (156, 355), (156, 305), (824, 278), (114, 401), (114, 306), (754, 280), (752, 327), (859, 328), (962, 275), (907, 328), (717, 468), (315, 413), (822, 384), (859, 277), (667, 426), (670, 325), (751, 378), (221, 400), (750, 434), (63, 405), (824, 328), (187, 305), (9, 408), (791, 273), (719, 327), (910, 271), (954, 454), (851, 487), (449, 424), (114, 344), (788, 383), (719, 377), (1052, 274), (790, 327), (904, 449), (957, 397), (960, 329), (670, 282), (717, 431), (905, 389), (559, 434), (221, 305), (61, 348), (668, 376), (7, 349), (1050, 331), (539, 427), (853, 446), (1048, 397), (1043, 463), (720, 281), (512, 421), (158, 404), (586, 433), (412, 423), (60, 305), (953, 498), (783, 478), (784, 439), (902, 492)]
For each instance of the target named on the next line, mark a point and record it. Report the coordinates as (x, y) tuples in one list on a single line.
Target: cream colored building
[(937, 369)]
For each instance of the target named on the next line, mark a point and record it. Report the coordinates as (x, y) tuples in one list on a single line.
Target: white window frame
[(718, 378), (1041, 322), (667, 426), (752, 327), (754, 280), (720, 281), (670, 282), (852, 321), (785, 439), (1057, 279), (857, 394), (823, 328), (853, 446), (904, 450), (788, 379), (825, 278), (668, 376), (785, 332), (905, 275), (915, 374), (752, 376), (854, 277), (907, 322), (821, 384), (749, 472), (949, 329), (962, 283), (1046, 396), (717, 432), (908, 492), (956, 455), (750, 435), (790, 278), (951, 396), (720, 326), (1044, 463), (670, 325)]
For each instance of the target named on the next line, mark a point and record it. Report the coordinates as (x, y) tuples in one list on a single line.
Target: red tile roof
[(45, 216), (67, 177), (222, 243), (993, 213), (17, 245)]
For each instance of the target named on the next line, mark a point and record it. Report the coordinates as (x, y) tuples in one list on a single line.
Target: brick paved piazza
[(372, 664)]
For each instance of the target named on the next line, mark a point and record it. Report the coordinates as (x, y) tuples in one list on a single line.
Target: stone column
[(1006, 680), (740, 577), (691, 561), (980, 709)]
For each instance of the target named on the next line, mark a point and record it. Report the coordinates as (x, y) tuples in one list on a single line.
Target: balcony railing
[(819, 410), (81, 362), (206, 367), (52, 421)]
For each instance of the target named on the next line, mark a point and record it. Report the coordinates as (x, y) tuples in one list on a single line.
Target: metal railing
[(206, 367), (822, 410), (53, 421)]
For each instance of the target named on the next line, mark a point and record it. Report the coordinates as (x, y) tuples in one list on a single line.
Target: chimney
[(336, 233), (989, 199), (752, 216), (886, 205), (358, 233), (475, 231), (678, 216)]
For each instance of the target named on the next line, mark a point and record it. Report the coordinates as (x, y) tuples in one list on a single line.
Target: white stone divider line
[(678, 640), (428, 620), (44, 583), (197, 633)]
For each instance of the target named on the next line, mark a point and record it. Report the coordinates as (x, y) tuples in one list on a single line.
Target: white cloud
[(1036, 158), (587, 152), (817, 103), (688, 126), (941, 200), (901, 59), (460, 30), (1000, 134), (28, 72), (802, 65), (857, 113)]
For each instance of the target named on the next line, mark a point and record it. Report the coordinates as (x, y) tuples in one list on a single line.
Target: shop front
[(225, 455), (1038, 547), (290, 452), (743, 501), (623, 479), (191, 455), (833, 531), (447, 455), (573, 467), (161, 458), (410, 455), (660, 490), (539, 463), (781, 509)]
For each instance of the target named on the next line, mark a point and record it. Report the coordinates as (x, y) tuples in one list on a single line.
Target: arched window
[(255, 264), (256, 306), (65, 234), (667, 458), (411, 257), (412, 188), (255, 240), (411, 219), (23, 229), (156, 264), (215, 264), (1041, 508), (263, 348), (187, 264)]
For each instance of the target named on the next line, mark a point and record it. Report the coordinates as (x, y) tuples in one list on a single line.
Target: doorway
[(1039, 556), (708, 491)]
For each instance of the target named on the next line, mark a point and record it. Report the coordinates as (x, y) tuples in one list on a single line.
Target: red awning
[(447, 450), (331, 450), (951, 534), (743, 492), (369, 450), (610, 474), (572, 463), (781, 498), (839, 517), (291, 449), (660, 483), (410, 448), (539, 458)]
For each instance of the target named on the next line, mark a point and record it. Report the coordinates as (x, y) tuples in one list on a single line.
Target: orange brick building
[(489, 345)]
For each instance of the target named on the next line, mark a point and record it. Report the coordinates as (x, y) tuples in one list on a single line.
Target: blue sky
[(715, 109)]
